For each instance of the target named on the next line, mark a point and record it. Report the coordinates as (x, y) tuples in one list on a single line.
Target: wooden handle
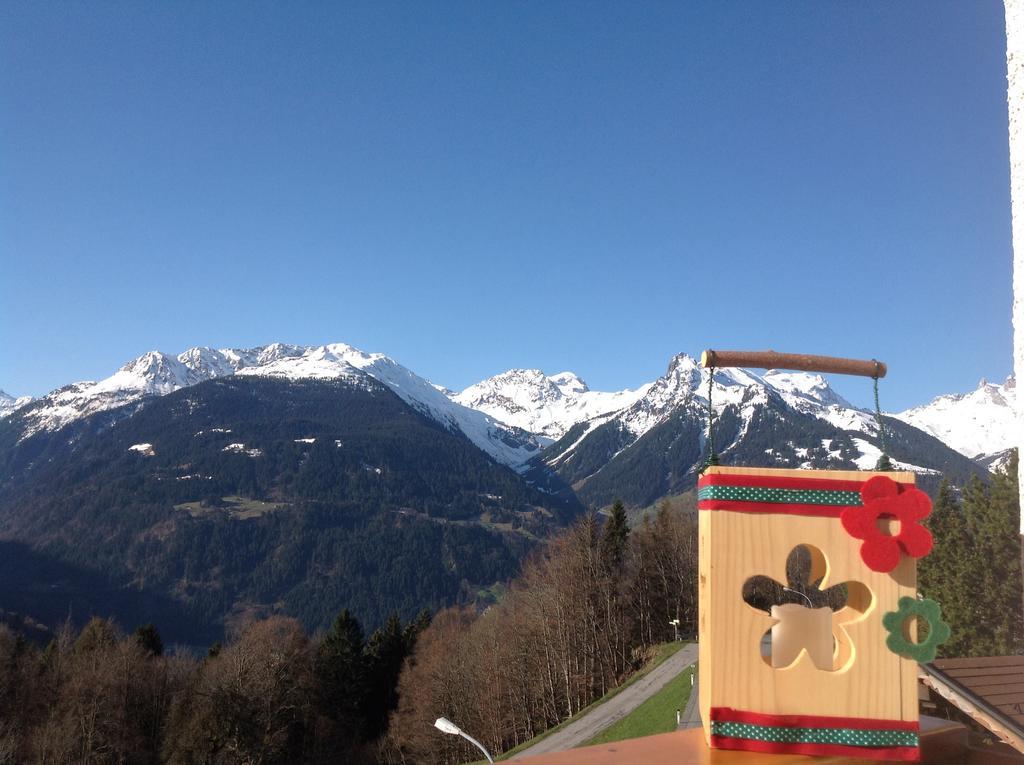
[(800, 361)]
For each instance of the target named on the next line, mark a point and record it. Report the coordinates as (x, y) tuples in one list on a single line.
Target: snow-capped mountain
[(157, 374), (546, 406), (551, 406), (151, 374), (503, 442), (513, 416), (656, 445), (685, 385), (980, 424), (9, 404)]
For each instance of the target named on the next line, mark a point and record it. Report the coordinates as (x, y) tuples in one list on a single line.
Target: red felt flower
[(885, 498)]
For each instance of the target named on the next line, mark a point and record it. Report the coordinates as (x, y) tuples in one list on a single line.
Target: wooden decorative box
[(862, 699)]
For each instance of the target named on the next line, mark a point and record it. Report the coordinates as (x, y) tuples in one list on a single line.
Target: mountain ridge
[(515, 415), (155, 374)]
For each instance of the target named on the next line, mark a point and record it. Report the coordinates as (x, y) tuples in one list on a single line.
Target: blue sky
[(470, 187)]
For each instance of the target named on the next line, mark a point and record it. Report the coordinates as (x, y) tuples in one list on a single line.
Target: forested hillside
[(246, 496)]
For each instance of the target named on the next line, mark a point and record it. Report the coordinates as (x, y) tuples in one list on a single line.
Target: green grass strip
[(656, 715)]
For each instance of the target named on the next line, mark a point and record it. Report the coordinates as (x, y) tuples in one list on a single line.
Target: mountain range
[(514, 415), (303, 479), (156, 374)]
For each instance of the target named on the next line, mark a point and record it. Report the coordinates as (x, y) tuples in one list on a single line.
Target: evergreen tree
[(615, 536), (341, 675), (996, 517), (149, 638), (385, 654), (974, 569), (415, 628), (943, 574)]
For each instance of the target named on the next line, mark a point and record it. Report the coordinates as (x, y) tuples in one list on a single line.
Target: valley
[(301, 480)]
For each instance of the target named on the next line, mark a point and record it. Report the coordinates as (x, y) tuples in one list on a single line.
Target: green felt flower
[(938, 630)]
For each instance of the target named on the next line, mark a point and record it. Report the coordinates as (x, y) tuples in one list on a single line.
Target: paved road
[(615, 708)]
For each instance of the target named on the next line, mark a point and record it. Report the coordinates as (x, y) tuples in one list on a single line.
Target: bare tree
[(249, 705)]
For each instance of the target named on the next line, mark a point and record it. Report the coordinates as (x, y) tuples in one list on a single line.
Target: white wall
[(1015, 100)]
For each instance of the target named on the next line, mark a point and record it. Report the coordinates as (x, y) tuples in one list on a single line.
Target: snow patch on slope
[(870, 454)]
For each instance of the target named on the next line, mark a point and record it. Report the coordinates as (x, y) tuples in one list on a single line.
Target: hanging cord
[(884, 463), (712, 456)]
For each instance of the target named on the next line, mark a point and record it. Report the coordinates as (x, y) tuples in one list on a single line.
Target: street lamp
[(445, 725)]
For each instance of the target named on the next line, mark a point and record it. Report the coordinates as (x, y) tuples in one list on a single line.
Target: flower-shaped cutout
[(804, 615), (938, 630), (884, 498)]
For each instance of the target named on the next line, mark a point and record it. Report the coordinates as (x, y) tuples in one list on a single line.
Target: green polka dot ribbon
[(836, 736), (779, 496)]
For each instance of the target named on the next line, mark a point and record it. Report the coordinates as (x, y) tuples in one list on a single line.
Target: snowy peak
[(682, 365), (9, 404), (804, 386), (669, 391), (516, 390), (977, 424), (152, 373), (569, 384), (685, 384), (546, 406), (686, 379), (207, 363), (325, 362)]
